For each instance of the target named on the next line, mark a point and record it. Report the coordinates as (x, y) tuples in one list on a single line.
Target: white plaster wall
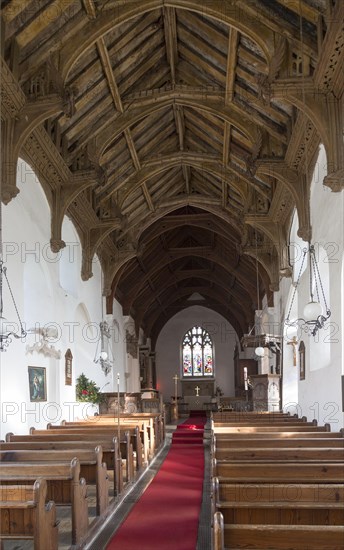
[(319, 395), (168, 348), (116, 322), (132, 366), (48, 290)]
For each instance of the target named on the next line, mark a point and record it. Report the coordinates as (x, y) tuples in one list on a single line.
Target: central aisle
[(167, 515)]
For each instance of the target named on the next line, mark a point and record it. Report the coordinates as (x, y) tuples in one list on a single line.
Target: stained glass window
[(197, 353)]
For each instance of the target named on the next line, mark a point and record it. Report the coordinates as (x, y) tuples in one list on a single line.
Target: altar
[(196, 393), (195, 402)]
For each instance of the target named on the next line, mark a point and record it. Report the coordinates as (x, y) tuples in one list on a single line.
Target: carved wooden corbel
[(326, 113), (44, 99), (93, 237), (297, 185), (113, 270), (62, 197), (278, 264), (276, 62), (9, 189)]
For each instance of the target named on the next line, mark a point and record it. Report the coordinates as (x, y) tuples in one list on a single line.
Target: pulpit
[(265, 392)]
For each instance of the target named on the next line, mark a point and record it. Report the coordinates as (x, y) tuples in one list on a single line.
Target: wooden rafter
[(182, 105), (106, 63), (90, 8), (170, 27), (230, 77)]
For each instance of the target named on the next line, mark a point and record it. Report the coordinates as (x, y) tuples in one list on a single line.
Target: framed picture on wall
[(37, 383), (302, 360), (68, 367)]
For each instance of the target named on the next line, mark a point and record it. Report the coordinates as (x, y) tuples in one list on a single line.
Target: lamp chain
[(4, 270), (311, 266), (297, 283), (317, 277)]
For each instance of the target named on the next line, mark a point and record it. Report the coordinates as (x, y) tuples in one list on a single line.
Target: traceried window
[(197, 353)]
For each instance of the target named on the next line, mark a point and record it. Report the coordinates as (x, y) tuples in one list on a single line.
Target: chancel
[(171, 226)]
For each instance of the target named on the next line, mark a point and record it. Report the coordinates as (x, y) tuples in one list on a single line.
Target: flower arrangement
[(87, 390)]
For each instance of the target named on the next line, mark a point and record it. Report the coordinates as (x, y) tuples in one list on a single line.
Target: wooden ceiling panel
[(44, 19), (124, 40), (93, 118), (151, 133), (160, 61), (136, 201), (17, 15)]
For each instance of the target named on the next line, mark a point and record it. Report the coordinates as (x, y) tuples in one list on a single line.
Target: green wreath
[(87, 390)]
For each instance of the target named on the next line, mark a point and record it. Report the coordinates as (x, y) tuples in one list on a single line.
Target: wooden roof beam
[(170, 25), (171, 40), (233, 39), (301, 8), (90, 8), (147, 197), (139, 108), (273, 21), (116, 98), (230, 78)]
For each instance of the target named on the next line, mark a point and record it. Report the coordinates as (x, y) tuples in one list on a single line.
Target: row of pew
[(277, 483), (84, 465)]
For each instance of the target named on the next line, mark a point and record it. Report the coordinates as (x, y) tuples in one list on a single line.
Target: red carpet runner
[(166, 516)]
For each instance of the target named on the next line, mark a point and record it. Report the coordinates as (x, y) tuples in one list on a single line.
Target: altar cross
[(197, 391)]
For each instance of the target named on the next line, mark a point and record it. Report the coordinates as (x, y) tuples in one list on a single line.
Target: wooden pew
[(64, 487), (252, 454), (271, 428), (155, 420), (255, 417), (142, 416), (95, 431), (110, 447), (274, 434), (255, 475), (287, 472), (276, 537), (24, 514), (147, 429), (286, 421), (224, 442), (299, 504), (92, 467), (113, 454)]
